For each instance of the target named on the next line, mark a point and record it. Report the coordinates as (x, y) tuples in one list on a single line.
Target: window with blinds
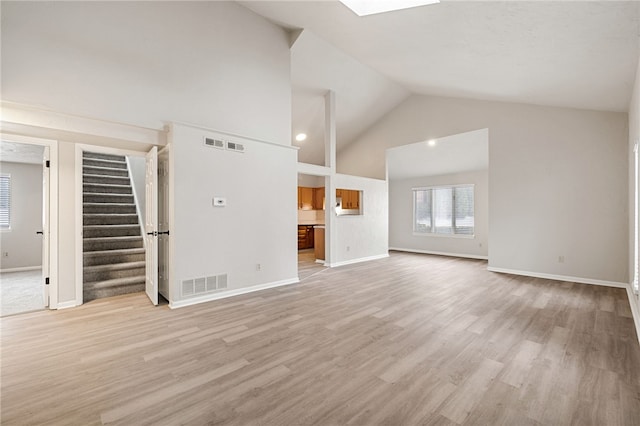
[(5, 201), (444, 210)]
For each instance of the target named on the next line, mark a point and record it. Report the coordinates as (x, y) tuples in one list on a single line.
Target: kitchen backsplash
[(311, 217)]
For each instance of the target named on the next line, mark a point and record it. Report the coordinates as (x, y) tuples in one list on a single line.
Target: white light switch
[(219, 202)]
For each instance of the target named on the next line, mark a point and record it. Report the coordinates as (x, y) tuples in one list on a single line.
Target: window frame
[(9, 197), (453, 208)]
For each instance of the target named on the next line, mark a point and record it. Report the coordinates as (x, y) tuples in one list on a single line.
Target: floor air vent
[(204, 285)]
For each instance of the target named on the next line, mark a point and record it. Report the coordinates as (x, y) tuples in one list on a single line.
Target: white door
[(151, 225), (163, 223), (45, 225)]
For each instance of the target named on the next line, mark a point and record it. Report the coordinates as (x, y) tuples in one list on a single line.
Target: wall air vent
[(216, 143), (198, 286), (234, 146)]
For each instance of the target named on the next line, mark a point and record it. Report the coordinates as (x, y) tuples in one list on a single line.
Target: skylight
[(371, 7)]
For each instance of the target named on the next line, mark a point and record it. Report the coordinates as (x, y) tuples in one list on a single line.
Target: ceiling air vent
[(216, 143), (233, 146)]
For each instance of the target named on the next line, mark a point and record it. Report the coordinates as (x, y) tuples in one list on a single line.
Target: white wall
[(310, 181), (401, 234), (21, 242), (558, 179), (216, 64), (634, 137), (258, 225), (365, 236), (137, 174), (145, 63)]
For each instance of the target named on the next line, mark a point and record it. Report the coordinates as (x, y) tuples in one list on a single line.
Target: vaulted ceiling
[(558, 53)]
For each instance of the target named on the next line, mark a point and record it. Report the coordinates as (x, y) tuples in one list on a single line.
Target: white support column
[(330, 130), (330, 188)]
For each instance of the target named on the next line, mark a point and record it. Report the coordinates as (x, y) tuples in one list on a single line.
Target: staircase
[(113, 252)]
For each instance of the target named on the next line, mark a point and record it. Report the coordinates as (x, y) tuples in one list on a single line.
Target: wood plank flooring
[(307, 264), (412, 339)]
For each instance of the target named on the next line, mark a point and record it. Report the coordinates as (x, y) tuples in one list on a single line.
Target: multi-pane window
[(5, 201), (443, 210)]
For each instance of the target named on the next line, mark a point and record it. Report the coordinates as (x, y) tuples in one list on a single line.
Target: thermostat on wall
[(219, 202)]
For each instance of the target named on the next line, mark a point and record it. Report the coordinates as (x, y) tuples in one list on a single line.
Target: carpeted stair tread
[(90, 219), (122, 238), (115, 266), (105, 171), (105, 230), (109, 188), (101, 162), (113, 256), (94, 285), (101, 155), (109, 196), (112, 243), (99, 253), (112, 226), (115, 180)]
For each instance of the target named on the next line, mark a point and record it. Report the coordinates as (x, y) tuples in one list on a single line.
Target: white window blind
[(5, 201), (444, 210)]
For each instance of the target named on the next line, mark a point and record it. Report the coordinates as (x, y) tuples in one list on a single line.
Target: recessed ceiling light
[(371, 7), (301, 137), (432, 142)]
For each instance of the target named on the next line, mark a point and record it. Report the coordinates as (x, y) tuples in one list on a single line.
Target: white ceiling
[(460, 153), (21, 153), (362, 94), (559, 53)]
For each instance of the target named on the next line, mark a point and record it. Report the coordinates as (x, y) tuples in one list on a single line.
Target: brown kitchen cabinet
[(318, 242), (318, 198), (350, 198), (305, 237), (305, 198)]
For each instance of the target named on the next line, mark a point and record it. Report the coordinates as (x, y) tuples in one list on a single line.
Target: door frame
[(79, 149), (52, 144)]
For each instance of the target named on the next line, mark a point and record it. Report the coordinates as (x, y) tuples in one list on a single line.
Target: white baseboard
[(634, 310), (559, 277), (21, 269), (66, 305), (230, 293), (352, 261), (440, 253)]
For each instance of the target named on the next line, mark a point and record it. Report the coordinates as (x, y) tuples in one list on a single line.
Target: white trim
[(53, 204), (457, 185), (578, 280), (441, 253), (79, 257), (432, 234), (358, 260), (135, 200), (69, 126), (21, 269), (231, 293), (634, 310), (313, 169), (67, 305)]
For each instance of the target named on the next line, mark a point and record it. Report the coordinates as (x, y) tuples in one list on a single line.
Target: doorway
[(26, 189), (311, 225), (116, 220)]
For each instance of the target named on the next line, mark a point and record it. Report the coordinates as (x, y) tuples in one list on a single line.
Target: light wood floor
[(307, 264), (412, 339)]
